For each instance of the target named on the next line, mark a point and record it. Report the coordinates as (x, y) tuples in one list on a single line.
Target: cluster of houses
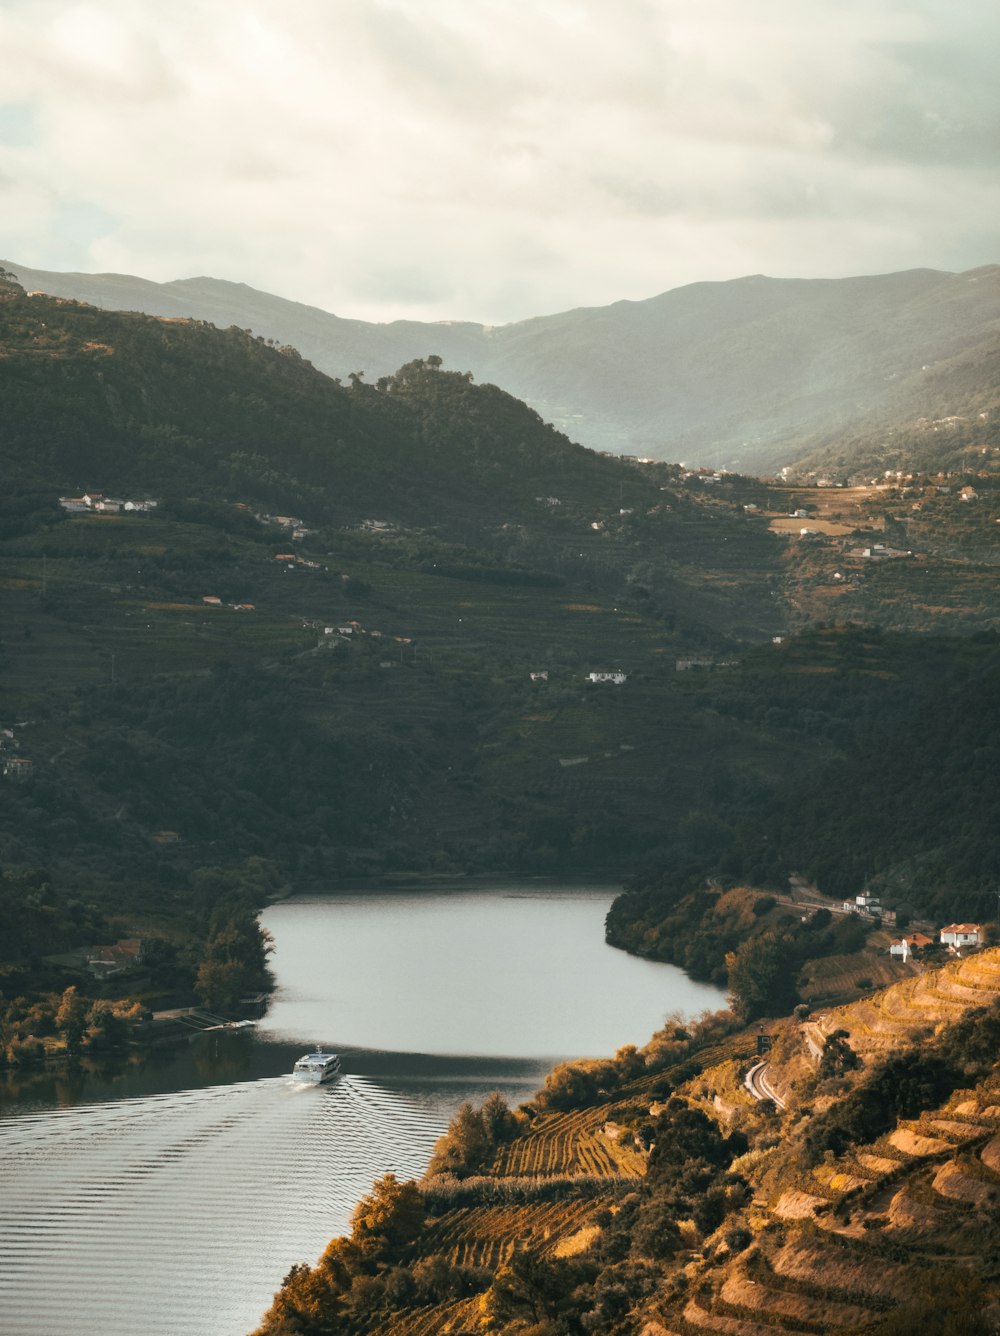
[(213, 601), (955, 936), (290, 559), (703, 661), (882, 552), (292, 523), (16, 768), (125, 954), (334, 635), (616, 677), (96, 503)]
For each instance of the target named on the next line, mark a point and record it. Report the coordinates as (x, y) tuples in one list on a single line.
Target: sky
[(492, 160)]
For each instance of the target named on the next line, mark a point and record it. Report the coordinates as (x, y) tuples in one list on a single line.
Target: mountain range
[(754, 374)]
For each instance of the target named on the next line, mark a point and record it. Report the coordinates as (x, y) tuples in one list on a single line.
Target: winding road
[(758, 1085)]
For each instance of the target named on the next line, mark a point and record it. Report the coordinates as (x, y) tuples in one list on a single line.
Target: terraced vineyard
[(436, 1318), (487, 1235), (850, 1241), (568, 1143), (920, 1187), (914, 1005)]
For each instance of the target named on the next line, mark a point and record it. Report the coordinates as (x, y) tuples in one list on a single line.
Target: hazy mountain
[(754, 373)]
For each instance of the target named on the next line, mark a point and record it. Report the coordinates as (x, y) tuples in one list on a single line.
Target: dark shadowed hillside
[(756, 373)]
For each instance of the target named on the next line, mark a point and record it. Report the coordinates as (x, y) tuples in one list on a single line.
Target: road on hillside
[(758, 1085)]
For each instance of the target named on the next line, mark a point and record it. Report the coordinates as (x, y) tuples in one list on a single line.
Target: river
[(171, 1196)]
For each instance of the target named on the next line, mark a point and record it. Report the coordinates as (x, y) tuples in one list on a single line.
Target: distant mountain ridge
[(755, 373)]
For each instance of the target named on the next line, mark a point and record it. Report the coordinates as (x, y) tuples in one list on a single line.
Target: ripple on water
[(179, 1214)]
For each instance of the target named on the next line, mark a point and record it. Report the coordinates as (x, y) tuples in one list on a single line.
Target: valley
[(756, 374), (303, 635)]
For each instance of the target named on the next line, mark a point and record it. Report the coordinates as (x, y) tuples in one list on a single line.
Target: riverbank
[(228, 1174)]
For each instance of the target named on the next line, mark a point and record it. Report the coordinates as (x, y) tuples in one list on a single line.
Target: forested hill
[(181, 407), (359, 632), (406, 684), (755, 373)]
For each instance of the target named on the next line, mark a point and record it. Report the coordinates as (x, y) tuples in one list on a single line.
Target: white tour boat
[(317, 1067)]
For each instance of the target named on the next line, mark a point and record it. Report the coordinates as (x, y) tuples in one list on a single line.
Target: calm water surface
[(172, 1196), (498, 971)]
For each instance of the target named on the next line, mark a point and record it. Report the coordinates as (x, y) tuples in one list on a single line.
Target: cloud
[(481, 160)]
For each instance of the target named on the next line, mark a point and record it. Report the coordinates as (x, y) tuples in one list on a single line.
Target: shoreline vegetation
[(657, 1193), (222, 975), (79, 1001)]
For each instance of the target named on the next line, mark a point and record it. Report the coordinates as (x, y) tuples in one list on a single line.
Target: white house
[(617, 678), (541, 676), (905, 947), (863, 904), (962, 934)]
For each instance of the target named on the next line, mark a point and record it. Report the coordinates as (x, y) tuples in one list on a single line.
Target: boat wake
[(189, 1208)]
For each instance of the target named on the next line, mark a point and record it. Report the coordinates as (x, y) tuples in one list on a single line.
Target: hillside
[(199, 669), (180, 409), (755, 374), (893, 807), (657, 1193), (355, 637)]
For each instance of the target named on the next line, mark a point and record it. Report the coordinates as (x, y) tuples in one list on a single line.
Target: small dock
[(197, 1019)]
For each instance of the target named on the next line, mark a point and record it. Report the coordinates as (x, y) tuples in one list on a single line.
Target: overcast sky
[(497, 159)]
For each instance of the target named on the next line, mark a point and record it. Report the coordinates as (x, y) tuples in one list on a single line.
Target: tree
[(106, 1028), (464, 1147), (309, 1303), (530, 1288), (498, 1121), (762, 976), (473, 1136), (630, 1062), (220, 984), (838, 1056), (387, 1219), (71, 1018)]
